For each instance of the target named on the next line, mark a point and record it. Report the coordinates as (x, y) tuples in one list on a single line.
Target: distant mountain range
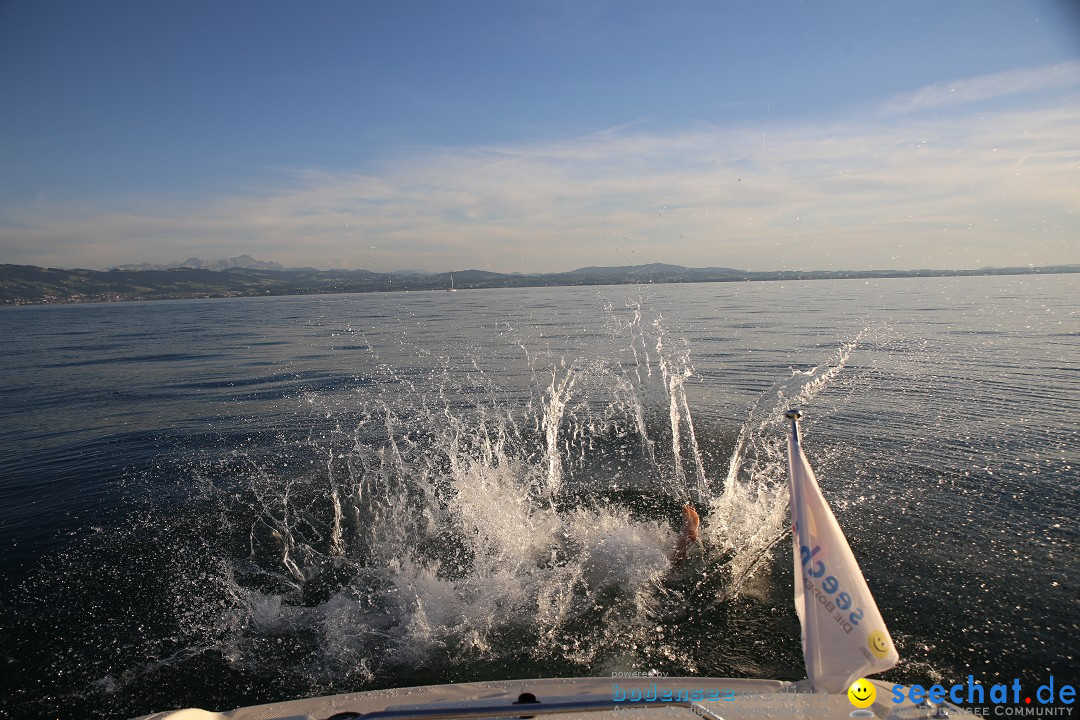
[(245, 276), (243, 261), (651, 270)]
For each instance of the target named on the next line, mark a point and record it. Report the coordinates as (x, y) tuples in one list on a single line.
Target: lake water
[(223, 502)]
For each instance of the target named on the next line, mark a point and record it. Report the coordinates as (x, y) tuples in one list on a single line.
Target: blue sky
[(532, 136)]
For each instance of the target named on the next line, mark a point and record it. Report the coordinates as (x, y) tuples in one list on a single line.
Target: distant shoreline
[(31, 285)]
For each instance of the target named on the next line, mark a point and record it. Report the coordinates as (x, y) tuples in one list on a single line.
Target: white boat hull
[(582, 699)]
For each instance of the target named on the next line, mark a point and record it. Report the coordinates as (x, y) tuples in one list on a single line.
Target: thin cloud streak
[(961, 191), (985, 87)]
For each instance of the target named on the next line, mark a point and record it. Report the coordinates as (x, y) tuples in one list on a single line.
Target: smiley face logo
[(879, 644), (861, 693)]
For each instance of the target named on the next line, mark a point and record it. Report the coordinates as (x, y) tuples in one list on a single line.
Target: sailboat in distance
[(451, 288)]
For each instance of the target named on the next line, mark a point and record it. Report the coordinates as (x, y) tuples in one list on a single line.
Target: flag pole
[(794, 415)]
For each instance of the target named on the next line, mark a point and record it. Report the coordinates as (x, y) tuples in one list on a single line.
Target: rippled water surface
[(224, 502)]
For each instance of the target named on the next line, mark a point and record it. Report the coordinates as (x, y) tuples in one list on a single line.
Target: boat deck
[(615, 698)]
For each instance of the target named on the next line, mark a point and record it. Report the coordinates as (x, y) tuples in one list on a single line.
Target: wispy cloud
[(958, 191), (985, 87)]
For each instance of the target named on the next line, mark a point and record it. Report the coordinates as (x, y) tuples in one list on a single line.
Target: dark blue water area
[(224, 502)]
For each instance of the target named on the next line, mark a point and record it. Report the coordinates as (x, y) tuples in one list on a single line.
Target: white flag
[(843, 635)]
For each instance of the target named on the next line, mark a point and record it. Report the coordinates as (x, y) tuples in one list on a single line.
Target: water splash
[(413, 530), (556, 398), (446, 522), (748, 519), (679, 416)]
